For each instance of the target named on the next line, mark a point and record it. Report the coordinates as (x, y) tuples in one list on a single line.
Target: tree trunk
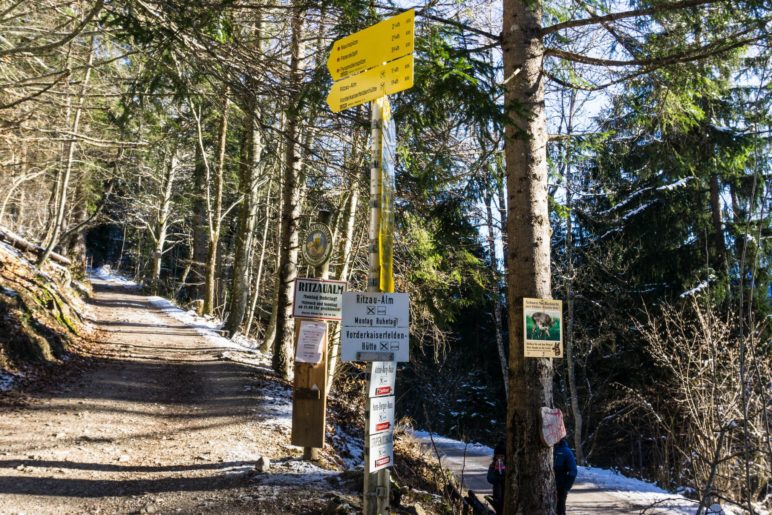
[(261, 263), (200, 226), (530, 486), (719, 245), (215, 213), (63, 183), (251, 152), (291, 208), (495, 291), (162, 222)]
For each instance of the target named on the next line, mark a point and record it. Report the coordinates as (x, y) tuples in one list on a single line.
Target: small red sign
[(383, 390), (382, 426), (382, 461)]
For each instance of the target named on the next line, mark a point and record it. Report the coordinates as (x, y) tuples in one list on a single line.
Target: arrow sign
[(374, 83), (373, 46)]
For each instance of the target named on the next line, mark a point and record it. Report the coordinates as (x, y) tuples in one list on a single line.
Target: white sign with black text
[(375, 324), (318, 298), (381, 451), (311, 342), (383, 378), (381, 414)]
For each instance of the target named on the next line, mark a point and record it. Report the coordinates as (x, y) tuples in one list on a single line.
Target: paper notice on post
[(311, 342)]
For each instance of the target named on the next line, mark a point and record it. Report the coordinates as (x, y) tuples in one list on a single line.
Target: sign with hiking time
[(373, 62), (375, 327), (370, 47), (381, 453), (384, 79), (383, 378), (318, 298), (543, 328)]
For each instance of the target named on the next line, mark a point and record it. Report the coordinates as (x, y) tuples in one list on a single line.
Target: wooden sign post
[(309, 399), (316, 301)]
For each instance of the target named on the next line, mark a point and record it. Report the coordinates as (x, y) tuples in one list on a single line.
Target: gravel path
[(160, 422)]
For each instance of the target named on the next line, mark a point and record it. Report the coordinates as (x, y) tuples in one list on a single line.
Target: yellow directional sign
[(373, 46), (374, 83)]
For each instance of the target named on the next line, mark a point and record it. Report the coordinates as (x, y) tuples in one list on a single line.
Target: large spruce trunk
[(291, 209), (529, 484)]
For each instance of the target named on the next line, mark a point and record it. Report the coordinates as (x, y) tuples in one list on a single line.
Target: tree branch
[(63, 41), (593, 20)]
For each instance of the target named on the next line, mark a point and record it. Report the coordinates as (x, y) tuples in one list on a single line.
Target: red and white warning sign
[(381, 414), (383, 378), (381, 451)]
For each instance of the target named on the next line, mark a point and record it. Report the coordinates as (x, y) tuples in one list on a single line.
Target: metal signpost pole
[(376, 487)]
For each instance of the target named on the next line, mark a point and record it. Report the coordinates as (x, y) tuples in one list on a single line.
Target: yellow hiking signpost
[(367, 66), (376, 82), (373, 46)]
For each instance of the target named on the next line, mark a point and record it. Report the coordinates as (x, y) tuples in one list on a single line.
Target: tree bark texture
[(291, 209), (251, 152), (530, 484), (215, 213), (162, 221)]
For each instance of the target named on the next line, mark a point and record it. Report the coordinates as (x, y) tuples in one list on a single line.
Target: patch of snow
[(8, 292), (471, 448), (7, 379), (206, 327), (9, 249), (295, 473), (276, 405), (106, 274), (695, 290), (624, 202), (677, 184), (635, 491), (638, 210)]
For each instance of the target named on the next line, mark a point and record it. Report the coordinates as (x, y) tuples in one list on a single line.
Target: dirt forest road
[(158, 423)]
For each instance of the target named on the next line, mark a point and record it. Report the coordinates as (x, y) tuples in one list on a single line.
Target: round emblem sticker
[(317, 245)]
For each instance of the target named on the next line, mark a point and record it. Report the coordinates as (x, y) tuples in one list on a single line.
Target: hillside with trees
[(615, 156)]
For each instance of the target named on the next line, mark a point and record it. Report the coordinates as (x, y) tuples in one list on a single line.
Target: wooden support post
[(309, 402)]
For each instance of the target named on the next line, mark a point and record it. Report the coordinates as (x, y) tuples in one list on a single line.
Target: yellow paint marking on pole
[(385, 41), (385, 79)]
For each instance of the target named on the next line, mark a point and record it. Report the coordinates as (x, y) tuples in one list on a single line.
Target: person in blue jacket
[(565, 472)]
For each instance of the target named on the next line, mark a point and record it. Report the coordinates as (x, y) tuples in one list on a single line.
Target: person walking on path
[(496, 473), (565, 472)]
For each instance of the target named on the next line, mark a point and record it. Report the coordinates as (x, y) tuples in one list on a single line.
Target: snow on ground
[(209, 328), (471, 449), (276, 405), (635, 491), (106, 274), (630, 491), (7, 379)]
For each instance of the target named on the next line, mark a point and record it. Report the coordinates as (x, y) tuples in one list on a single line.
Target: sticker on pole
[(381, 414), (375, 327), (383, 378), (317, 298), (381, 451), (543, 328)]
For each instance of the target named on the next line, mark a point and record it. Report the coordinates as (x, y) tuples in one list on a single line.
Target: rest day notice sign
[(543, 328)]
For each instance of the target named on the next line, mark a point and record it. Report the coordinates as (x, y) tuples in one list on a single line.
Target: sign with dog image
[(543, 327)]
